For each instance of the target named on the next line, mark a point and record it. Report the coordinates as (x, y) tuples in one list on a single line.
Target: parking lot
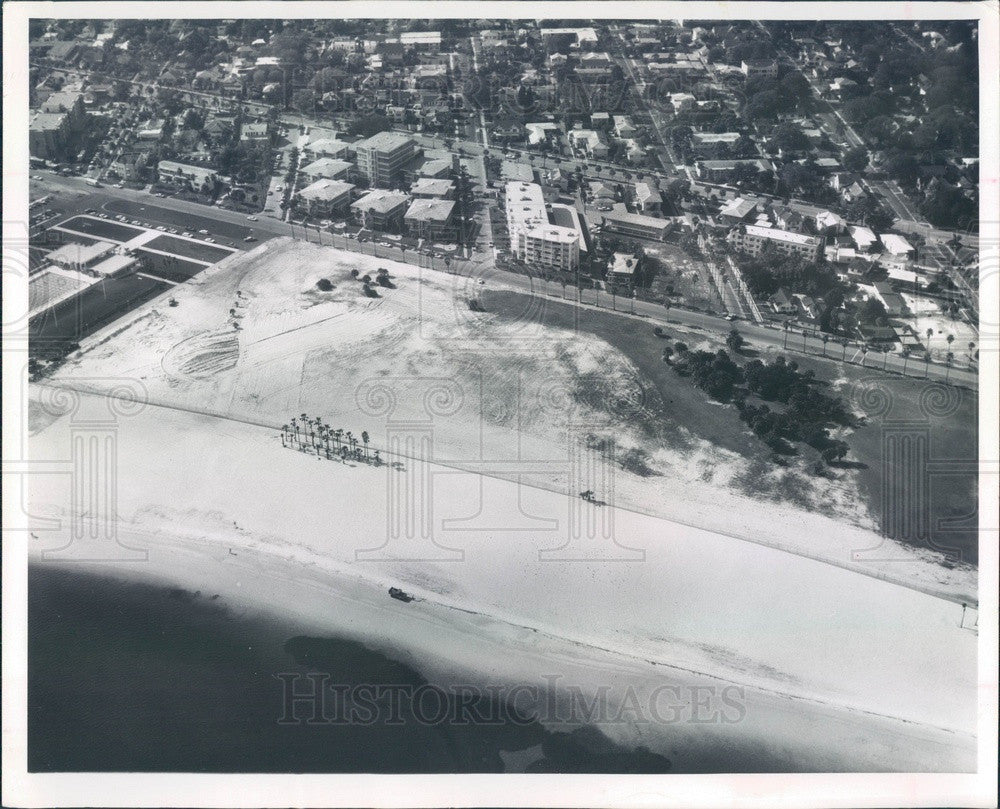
[(186, 248), (101, 228)]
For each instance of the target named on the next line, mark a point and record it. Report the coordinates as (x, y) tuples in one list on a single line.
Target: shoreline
[(690, 615)]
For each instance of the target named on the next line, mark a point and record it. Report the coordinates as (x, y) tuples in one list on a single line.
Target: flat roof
[(327, 164), (381, 201), (781, 235), (114, 263), (430, 210), (326, 189), (636, 219), (385, 141), (77, 253)]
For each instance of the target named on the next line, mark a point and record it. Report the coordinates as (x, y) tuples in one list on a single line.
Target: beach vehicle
[(399, 595)]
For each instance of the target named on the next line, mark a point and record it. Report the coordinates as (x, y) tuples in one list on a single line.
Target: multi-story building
[(48, 134), (533, 239), (429, 218), (326, 197), (551, 246), (636, 225), (381, 157), (431, 188), (381, 210), (753, 68), (327, 168), (713, 143), (753, 238)]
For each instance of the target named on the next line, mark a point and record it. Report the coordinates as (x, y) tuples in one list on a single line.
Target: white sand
[(298, 350), (842, 671)]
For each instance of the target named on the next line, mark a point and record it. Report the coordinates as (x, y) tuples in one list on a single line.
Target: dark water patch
[(134, 677)]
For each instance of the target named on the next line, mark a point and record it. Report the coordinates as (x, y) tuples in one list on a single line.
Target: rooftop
[(385, 141), (430, 210), (76, 253), (380, 201), (325, 190), (781, 235)]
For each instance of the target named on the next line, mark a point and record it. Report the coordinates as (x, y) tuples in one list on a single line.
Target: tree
[(856, 159), (734, 340)]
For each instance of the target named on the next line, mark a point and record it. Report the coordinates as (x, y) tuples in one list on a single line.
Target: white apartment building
[(381, 157), (533, 239), (752, 238)]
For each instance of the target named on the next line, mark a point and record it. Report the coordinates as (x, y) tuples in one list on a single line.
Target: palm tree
[(785, 327), (947, 364), (284, 430), (864, 353), (364, 438), (613, 296), (805, 334), (843, 354), (563, 282), (951, 339), (906, 356), (295, 426), (927, 364), (826, 339)]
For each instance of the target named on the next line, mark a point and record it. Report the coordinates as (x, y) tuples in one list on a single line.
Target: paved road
[(760, 336)]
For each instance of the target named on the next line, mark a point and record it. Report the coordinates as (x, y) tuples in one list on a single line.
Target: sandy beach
[(840, 671)]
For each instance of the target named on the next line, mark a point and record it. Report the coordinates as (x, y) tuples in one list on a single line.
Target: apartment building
[(533, 238), (753, 238), (429, 218), (381, 210), (636, 225), (381, 157), (326, 197)]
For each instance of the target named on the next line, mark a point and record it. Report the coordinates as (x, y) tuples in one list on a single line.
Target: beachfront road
[(232, 227)]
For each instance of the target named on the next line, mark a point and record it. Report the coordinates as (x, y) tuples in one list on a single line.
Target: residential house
[(647, 198)]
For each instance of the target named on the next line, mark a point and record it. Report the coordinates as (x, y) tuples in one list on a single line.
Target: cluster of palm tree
[(314, 435)]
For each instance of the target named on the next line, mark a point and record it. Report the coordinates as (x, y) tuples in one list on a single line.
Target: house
[(541, 132), (864, 239), (647, 198), (622, 268), (681, 102), (896, 246), (181, 175), (737, 211), (624, 128), (381, 210), (782, 303), (890, 299), (829, 222), (257, 133), (431, 218), (590, 141), (805, 307)]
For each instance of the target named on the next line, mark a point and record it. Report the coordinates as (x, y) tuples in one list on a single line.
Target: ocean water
[(131, 677)]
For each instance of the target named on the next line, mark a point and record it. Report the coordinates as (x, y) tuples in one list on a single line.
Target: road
[(226, 223)]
